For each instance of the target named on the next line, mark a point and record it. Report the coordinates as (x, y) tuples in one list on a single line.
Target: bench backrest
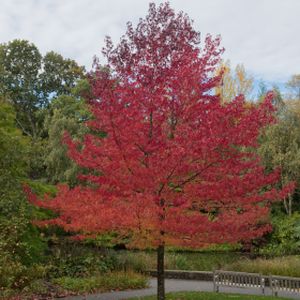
[(238, 279), (285, 284), (255, 280)]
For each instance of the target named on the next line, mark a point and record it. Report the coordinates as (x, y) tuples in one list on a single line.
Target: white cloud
[(261, 34)]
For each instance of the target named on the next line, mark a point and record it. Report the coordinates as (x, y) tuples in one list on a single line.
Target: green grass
[(102, 283), (284, 266), (209, 296)]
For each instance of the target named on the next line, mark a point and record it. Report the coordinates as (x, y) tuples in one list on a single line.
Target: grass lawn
[(209, 296)]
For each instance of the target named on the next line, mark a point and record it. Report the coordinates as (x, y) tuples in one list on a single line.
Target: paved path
[(173, 285)]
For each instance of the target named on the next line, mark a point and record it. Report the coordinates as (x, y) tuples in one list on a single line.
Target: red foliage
[(176, 166)]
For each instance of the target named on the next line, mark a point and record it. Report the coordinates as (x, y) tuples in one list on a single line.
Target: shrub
[(72, 259), (20, 252), (285, 238)]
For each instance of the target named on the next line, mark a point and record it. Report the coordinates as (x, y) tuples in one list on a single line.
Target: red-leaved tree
[(176, 166)]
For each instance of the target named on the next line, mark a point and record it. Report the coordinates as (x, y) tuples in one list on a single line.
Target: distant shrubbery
[(285, 238)]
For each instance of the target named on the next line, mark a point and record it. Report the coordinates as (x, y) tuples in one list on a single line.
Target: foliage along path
[(173, 285)]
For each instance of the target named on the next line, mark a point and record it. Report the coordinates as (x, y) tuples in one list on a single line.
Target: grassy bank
[(207, 261), (285, 266), (204, 261), (208, 296), (63, 286), (106, 282)]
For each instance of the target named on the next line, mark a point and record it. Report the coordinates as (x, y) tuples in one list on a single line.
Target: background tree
[(19, 241), (176, 166), (280, 147), (294, 85), (278, 102), (234, 82), (13, 163), (20, 64), (67, 113), (30, 81)]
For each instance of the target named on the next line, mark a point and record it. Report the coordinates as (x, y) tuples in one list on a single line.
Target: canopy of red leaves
[(176, 166)]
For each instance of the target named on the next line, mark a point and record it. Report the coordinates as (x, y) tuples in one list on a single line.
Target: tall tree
[(31, 81), (14, 221), (176, 166), (280, 145), (234, 82), (20, 244), (13, 160), (67, 113)]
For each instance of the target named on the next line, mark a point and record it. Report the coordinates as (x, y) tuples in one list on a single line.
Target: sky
[(261, 34)]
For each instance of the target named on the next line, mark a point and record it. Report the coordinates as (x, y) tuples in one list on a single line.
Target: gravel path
[(173, 285)]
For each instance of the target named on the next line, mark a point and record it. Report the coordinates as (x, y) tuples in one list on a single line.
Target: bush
[(20, 253), (285, 238), (16, 276), (107, 282), (72, 259)]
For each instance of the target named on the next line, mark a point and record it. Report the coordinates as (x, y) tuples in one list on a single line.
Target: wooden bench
[(238, 279), (284, 284)]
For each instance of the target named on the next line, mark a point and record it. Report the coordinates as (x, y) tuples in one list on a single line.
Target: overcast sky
[(264, 35)]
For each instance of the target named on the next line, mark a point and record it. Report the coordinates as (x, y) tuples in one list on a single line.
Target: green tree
[(67, 114), (19, 240), (20, 64), (285, 238), (280, 147), (31, 81), (13, 157)]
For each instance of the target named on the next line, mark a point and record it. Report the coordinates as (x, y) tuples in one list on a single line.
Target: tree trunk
[(290, 205), (160, 273), (286, 206)]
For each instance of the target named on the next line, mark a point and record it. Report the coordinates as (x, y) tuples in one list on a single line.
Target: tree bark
[(285, 206), (160, 273), (290, 205)]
